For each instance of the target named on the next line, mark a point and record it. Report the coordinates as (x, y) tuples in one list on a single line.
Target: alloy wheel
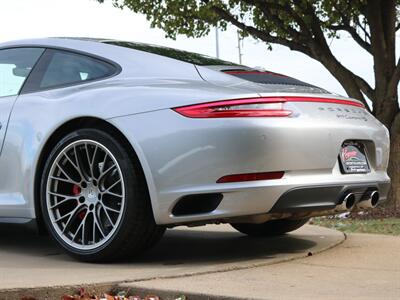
[(85, 194)]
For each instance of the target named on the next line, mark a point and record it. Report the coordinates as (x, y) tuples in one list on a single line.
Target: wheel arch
[(59, 133)]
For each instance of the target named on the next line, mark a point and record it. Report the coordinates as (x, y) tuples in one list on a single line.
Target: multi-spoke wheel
[(95, 200)]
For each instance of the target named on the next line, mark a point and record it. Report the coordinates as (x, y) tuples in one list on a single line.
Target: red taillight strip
[(247, 113), (210, 113), (237, 102), (251, 177), (208, 110), (324, 100)]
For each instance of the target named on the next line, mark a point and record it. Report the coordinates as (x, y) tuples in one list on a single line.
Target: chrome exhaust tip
[(348, 202), (370, 200)]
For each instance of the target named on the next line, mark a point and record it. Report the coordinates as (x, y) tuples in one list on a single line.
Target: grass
[(390, 226)]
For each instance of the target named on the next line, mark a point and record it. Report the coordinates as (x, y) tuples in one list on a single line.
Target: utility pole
[(240, 39), (216, 42)]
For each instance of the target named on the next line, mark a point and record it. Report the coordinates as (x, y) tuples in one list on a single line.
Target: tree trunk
[(394, 163), (381, 17)]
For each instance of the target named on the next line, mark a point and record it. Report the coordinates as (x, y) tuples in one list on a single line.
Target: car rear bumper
[(291, 195), (183, 157)]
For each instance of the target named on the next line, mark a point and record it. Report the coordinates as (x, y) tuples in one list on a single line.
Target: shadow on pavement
[(178, 247)]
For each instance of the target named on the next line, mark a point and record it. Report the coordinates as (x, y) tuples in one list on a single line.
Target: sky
[(20, 19)]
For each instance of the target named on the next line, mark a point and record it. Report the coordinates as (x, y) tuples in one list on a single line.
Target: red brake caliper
[(76, 190)]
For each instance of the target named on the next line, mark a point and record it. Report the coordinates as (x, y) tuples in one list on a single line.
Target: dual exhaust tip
[(369, 200)]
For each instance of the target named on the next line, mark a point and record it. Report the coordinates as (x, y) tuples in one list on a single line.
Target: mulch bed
[(376, 213)]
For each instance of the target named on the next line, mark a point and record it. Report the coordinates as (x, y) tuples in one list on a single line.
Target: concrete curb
[(173, 294)]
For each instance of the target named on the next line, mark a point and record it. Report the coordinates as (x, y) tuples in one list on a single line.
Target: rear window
[(266, 77)]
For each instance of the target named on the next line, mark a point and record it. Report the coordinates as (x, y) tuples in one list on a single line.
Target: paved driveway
[(28, 261), (363, 267)]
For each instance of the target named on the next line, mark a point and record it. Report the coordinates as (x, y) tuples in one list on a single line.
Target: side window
[(69, 68), (15, 66)]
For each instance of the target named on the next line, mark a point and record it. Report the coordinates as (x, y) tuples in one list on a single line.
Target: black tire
[(270, 228), (137, 230)]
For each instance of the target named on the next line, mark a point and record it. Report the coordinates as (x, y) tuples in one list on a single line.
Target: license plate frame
[(353, 158)]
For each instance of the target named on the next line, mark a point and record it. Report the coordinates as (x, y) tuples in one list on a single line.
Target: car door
[(15, 66)]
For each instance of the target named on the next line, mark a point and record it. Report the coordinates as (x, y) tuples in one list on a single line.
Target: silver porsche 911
[(106, 143)]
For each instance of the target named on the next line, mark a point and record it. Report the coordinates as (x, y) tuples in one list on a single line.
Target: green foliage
[(285, 19)]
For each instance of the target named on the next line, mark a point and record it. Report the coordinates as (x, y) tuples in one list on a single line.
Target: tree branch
[(267, 8), (353, 32), (363, 28), (262, 35), (364, 87), (291, 12), (346, 26), (394, 80)]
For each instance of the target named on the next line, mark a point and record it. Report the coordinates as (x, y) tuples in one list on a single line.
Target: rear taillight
[(251, 177), (257, 107), (253, 107)]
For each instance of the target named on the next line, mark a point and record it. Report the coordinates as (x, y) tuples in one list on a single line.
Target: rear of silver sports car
[(267, 157), (274, 155), (280, 157)]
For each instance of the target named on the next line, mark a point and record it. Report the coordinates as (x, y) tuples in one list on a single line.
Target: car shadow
[(178, 246), (181, 246)]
